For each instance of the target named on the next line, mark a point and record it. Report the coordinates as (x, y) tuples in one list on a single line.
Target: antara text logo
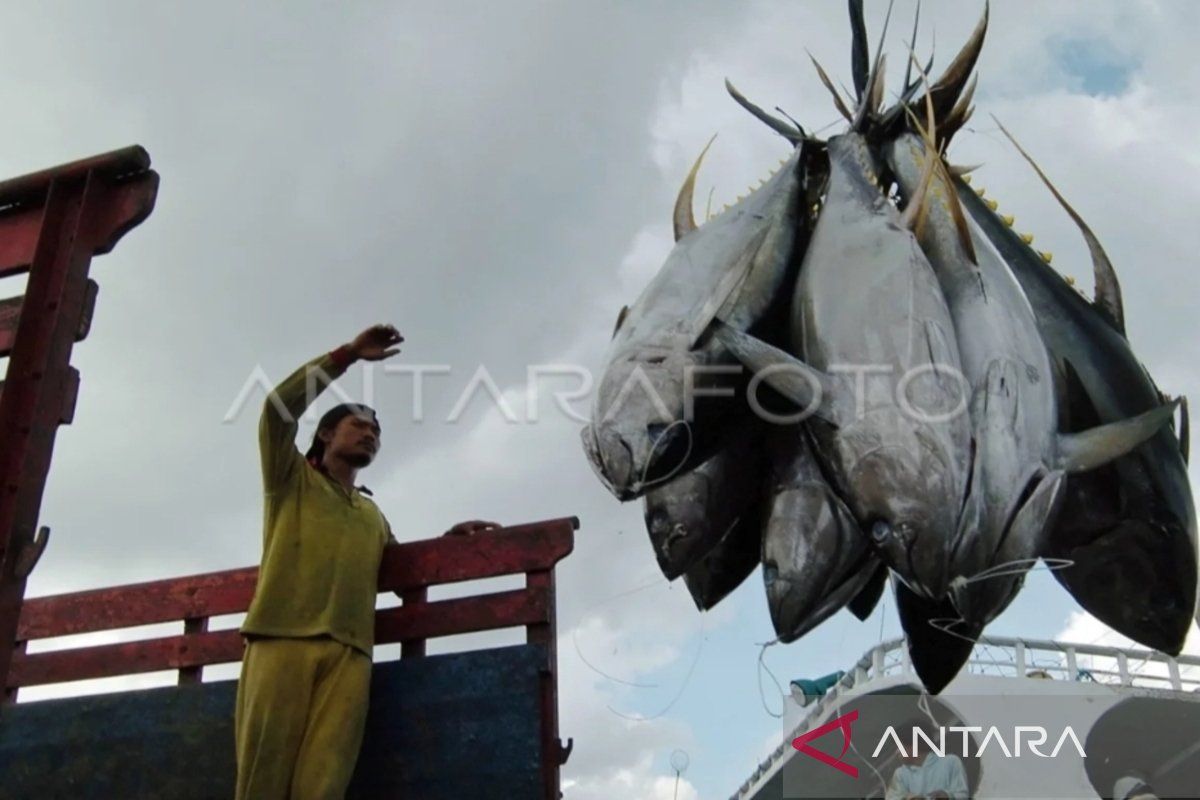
[(1017, 742)]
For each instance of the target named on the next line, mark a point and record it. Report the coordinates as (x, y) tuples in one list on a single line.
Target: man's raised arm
[(277, 426)]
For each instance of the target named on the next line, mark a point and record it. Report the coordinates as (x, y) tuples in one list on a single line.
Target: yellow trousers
[(301, 709)]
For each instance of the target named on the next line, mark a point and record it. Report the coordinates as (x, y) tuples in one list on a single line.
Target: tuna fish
[(815, 558), (643, 427), (1018, 456), (1128, 529), (690, 515), (728, 564), (867, 304), (957, 409)]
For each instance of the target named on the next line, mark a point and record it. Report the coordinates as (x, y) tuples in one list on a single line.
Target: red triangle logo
[(842, 723)]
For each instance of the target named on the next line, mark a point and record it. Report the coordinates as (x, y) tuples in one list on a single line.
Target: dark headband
[(329, 421)]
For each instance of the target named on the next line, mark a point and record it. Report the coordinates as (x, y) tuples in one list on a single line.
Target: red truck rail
[(407, 569), (444, 726), (51, 224)]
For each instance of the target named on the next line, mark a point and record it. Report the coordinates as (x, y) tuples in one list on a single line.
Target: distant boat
[(1132, 712)]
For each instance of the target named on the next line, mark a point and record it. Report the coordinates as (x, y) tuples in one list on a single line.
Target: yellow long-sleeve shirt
[(322, 543)]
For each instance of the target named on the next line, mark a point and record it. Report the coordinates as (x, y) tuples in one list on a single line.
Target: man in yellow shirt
[(306, 671)]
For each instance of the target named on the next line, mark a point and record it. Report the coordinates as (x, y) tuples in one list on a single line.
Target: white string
[(583, 615), (762, 665), (907, 585), (687, 679), (946, 624), (1001, 570), (870, 763), (923, 706), (642, 484), (882, 615)]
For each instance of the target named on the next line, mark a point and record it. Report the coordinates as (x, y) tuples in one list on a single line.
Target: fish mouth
[(786, 605), (668, 446), (798, 606), (611, 460), (673, 544)]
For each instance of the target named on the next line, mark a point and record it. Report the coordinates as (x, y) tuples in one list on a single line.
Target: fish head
[(906, 493), (686, 518), (804, 542), (641, 433)]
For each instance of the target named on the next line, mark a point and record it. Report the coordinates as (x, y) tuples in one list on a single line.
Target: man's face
[(354, 440)]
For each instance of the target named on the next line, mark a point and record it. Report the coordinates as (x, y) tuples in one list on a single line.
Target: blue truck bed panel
[(461, 725)]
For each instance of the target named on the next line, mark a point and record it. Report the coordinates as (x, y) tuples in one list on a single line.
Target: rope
[(642, 483), (687, 679), (762, 666)]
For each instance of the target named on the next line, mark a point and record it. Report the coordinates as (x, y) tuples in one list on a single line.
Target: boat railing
[(1002, 657)]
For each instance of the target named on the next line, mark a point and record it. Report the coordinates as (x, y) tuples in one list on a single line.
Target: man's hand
[(376, 343), (471, 527)]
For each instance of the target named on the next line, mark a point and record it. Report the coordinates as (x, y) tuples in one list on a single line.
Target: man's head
[(1133, 786), (348, 432)]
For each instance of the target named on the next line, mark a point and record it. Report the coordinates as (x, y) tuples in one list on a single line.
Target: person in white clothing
[(926, 775)]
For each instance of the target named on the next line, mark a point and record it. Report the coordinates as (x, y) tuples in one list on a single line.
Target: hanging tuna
[(945, 407)]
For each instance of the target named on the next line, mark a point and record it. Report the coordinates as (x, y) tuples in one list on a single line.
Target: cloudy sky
[(496, 179)]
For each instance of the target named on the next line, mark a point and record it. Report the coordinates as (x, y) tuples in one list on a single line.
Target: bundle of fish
[(861, 370)]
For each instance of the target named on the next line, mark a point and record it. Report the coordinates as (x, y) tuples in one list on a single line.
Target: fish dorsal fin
[(1185, 430), (872, 94), (913, 217), (960, 114), (859, 55), (1108, 289), (837, 98), (684, 221), (912, 45), (624, 312), (950, 85), (795, 136)]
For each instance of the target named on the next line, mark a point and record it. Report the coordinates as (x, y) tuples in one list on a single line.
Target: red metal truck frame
[(51, 224)]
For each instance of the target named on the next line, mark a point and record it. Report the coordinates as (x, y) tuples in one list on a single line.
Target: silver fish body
[(726, 566), (1127, 529), (815, 558), (1013, 412), (690, 515), (867, 299), (733, 265)]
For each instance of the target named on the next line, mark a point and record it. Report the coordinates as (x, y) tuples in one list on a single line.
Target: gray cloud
[(497, 179)]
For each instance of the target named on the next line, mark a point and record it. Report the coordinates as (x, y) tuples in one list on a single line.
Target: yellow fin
[(620, 319)]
